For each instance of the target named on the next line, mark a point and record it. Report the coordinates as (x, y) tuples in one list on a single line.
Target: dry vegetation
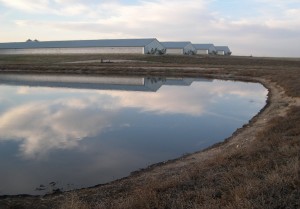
[(258, 167)]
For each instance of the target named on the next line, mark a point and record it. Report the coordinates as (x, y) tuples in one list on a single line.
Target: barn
[(223, 50), (109, 46), (205, 49), (179, 47)]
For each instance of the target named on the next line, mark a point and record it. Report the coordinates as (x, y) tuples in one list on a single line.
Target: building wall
[(154, 47), (88, 50), (220, 52), (174, 51), (189, 49), (211, 50), (202, 51)]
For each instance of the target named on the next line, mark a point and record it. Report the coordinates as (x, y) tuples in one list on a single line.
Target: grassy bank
[(258, 167)]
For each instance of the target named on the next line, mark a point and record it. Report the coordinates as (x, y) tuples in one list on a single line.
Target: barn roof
[(203, 46), (175, 45), (78, 43)]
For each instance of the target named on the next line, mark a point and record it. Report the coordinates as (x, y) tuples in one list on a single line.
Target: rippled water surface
[(59, 132)]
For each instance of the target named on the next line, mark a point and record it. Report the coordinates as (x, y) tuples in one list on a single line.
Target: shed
[(223, 50), (108, 46), (205, 49), (179, 47)]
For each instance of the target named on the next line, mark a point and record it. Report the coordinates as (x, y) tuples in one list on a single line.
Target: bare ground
[(258, 167)]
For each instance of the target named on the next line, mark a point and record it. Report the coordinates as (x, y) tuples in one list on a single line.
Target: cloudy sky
[(257, 27)]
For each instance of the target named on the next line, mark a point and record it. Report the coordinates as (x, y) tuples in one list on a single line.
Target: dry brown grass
[(74, 202)]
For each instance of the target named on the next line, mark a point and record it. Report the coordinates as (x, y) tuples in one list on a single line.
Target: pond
[(67, 132)]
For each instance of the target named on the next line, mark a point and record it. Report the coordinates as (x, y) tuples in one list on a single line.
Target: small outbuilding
[(109, 46), (179, 48), (205, 49), (223, 50)]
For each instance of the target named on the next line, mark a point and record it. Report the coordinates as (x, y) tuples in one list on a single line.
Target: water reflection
[(97, 129), (92, 82)]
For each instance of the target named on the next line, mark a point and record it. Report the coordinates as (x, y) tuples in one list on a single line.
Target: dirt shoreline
[(279, 104)]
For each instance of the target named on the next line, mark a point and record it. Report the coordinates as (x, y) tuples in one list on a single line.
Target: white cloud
[(31, 6), (75, 10), (293, 13), (113, 15)]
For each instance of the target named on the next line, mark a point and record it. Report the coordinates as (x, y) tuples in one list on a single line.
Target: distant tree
[(162, 51), (190, 52)]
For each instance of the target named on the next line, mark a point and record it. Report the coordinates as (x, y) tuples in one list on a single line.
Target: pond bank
[(257, 167)]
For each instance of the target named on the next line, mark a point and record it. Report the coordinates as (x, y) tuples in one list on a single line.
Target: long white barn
[(179, 47), (205, 49), (223, 50), (109, 46)]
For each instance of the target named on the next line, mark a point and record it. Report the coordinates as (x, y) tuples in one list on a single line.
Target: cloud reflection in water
[(42, 125), (86, 137)]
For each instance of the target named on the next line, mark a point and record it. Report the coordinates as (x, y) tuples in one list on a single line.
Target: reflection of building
[(150, 84), (110, 46)]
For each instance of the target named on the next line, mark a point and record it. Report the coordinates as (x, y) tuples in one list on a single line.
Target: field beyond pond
[(257, 167)]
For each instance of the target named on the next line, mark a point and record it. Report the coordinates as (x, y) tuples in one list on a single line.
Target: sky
[(249, 27)]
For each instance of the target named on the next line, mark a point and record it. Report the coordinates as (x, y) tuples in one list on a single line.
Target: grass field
[(258, 167)]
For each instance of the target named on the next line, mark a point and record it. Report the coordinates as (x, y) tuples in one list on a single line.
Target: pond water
[(66, 132)]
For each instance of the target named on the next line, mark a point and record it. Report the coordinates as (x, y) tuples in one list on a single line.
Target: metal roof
[(203, 46), (78, 43), (175, 45), (222, 48)]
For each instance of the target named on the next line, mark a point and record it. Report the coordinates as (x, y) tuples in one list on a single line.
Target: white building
[(179, 47), (205, 49), (223, 50), (110, 46)]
